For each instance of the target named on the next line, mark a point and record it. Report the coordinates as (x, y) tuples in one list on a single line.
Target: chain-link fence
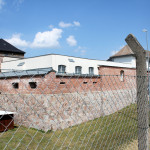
[(41, 109)]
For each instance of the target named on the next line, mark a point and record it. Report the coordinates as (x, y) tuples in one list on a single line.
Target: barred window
[(78, 70), (91, 70), (61, 69)]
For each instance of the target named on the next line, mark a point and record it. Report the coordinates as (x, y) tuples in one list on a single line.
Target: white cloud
[(64, 25), (1, 4), (71, 40), (51, 26), (81, 50), (121, 47), (47, 39), (17, 41), (114, 52), (18, 2), (76, 23)]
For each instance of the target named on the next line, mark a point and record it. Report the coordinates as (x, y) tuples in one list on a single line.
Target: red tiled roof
[(126, 51)]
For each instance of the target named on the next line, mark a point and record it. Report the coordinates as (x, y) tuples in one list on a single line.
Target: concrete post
[(142, 93)]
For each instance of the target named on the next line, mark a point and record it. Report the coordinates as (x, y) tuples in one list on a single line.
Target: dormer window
[(61, 69), (21, 64)]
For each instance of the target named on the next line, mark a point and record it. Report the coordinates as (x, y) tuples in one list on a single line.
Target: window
[(78, 70), (15, 85), (21, 64), (61, 69), (62, 82), (121, 75), (91, 70), (94, 82), (33, 85), (71, 60), (84, 82)]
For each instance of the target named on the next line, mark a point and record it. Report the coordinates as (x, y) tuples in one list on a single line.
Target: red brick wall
[(111, 78), (107, 70), (53, 105), (50, 84)]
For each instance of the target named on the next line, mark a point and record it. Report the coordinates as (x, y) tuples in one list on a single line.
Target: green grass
[(109, 132)]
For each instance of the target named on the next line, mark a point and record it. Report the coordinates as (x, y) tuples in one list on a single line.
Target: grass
[(115, 131)]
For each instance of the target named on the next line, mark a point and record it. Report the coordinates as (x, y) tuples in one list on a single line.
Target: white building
[(60, 63), (13, 59), (126, 55)]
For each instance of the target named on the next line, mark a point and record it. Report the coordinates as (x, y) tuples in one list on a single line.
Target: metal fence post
[(142, 93)]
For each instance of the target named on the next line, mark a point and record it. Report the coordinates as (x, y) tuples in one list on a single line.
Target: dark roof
[(126, 51), (7, 47), (22, 73)]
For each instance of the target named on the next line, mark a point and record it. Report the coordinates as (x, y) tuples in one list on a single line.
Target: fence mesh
[(43, 110)]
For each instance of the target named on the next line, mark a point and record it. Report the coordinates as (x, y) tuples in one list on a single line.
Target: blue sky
[(83, 28)]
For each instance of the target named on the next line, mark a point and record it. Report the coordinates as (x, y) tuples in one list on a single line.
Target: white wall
[(29, 63), (10, 58), (70, 66), (84, 63), (55, 60), (126, 59)]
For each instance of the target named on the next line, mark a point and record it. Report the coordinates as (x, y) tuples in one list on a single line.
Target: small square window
[(84, 82), (94, 82), (62, 82), (33, 85), (15, 85), (71, 60), (21, 64)]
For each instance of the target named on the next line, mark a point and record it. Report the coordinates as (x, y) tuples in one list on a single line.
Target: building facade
[(53, 91)]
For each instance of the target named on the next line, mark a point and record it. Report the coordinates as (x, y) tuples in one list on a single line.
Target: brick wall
[(113, 80), (50, 84), (107, 70), (54, 106)]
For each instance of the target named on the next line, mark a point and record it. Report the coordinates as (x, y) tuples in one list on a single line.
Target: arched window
[(91, 70), (61, 69), (121, 75), (78, 70)]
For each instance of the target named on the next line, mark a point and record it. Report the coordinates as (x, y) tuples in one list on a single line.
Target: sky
[(94, 29)]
